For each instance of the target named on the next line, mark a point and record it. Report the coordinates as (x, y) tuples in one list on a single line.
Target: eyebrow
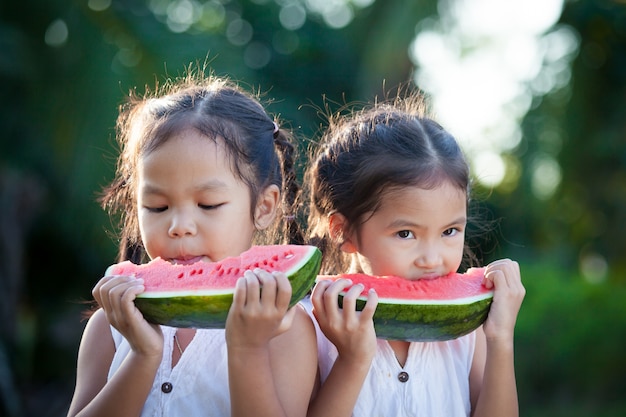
[(210, 185), (404, 223)]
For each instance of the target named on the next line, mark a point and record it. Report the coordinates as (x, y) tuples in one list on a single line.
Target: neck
[(401, 350)]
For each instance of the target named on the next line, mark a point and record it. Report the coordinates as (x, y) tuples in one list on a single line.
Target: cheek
[(454, 254), (364, 265), (143, 225), (149, 231)]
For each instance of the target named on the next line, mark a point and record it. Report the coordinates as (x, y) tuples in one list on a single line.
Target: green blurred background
[(558, 206)]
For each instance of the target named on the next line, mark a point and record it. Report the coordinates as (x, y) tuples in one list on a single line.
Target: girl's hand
[(505, 278), (260, 309), (116, 295), (352, 332)]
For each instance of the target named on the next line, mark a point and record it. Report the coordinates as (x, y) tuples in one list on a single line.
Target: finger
[(116, 297), (507, 287), (110, 289), (127, 297), (317, 299), (513, 278), (121, 295), (332, 292), (323, 303), (331, 296), (350, 297), (268, 286), (487, 280), (508, 267), (496, 278), (370, 305), (99, 292), (253, 288), (283, 292), (317, 294), (240, 294)]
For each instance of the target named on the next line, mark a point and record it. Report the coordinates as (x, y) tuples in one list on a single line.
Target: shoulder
[(97, 337), (299, 339), (95, 355), (302, 323), (97, 324)]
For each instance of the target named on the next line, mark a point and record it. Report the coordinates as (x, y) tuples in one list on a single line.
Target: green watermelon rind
[(399, 320), (209, 309), (201, 311)]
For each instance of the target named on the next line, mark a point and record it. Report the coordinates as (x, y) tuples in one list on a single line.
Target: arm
[(353, 335), (126, 392), (492, 377), (272, 354)]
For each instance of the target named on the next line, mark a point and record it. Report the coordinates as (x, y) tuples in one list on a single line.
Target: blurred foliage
[(584, 125), (569, 359), (59, 101)]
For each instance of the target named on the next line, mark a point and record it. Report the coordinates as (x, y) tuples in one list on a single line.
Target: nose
[(428, 256), (182, 224)]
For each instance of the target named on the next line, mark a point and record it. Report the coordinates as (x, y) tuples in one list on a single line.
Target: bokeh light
[(484, 63)]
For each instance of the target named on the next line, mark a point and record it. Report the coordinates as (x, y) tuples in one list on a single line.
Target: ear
[(340, 233), (266, 206)]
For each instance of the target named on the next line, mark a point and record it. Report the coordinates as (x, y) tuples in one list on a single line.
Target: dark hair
[(260, 153), (370, 152)]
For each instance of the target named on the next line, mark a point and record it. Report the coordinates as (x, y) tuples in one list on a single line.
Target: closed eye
[(210, 206), (156, 209)]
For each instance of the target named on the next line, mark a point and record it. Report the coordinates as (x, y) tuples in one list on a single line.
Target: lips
[(428, 275), (188, 260)]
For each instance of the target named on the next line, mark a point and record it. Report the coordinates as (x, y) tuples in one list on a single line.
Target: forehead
[(439, 203), (186, 157)]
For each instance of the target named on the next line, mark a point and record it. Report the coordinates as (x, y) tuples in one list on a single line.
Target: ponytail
[(291, 232)]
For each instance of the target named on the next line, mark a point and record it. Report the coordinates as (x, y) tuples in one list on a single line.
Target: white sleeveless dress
[(434, 381), (198, 384)]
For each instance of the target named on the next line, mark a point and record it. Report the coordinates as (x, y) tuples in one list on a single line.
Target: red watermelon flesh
[(161, 276), (199, 295), (454, 288)]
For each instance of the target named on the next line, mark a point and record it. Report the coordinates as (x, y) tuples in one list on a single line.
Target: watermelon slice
[(424, 310), (199, 295)]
